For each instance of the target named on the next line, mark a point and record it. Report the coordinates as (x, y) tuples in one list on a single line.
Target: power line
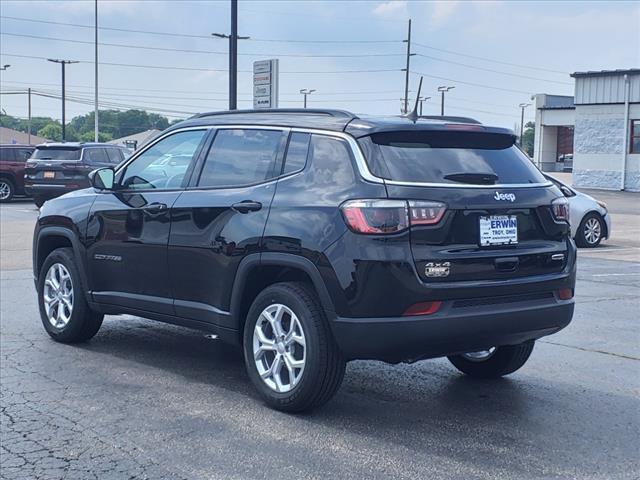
[(195, 69), (187, 35), (208, 52), (471, 83), (489, 59), (499, 72)]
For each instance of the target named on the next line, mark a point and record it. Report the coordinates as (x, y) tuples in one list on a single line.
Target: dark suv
[(12, 161), (58, 168), (311, 238)]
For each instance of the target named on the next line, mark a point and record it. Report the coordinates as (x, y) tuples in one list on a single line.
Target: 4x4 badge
[(433, 269)]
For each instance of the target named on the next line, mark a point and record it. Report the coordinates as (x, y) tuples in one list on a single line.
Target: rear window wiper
[(473, 178)]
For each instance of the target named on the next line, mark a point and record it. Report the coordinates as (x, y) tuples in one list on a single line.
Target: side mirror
[(102, 178), (566, 191)]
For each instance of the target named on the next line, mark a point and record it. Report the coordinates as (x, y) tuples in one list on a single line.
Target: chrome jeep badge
[(437, 269), (511, 197)]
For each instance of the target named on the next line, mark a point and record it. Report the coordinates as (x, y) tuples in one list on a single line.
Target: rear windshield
[(448, 157), (56, 153)]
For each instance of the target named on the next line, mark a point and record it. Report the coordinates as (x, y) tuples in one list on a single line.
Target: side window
[(297, 152), (7, 155), (332, 163), (95, 156), (23, 154), (241, 157), (115, 156), (163, 165)]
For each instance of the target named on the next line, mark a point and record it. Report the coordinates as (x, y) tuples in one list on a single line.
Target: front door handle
[(246, 206), (154, 207)]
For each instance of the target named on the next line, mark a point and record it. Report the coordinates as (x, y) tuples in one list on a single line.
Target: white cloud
[(441, 11), (391, 8)]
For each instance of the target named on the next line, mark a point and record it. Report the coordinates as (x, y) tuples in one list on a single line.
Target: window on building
[(635, 136)]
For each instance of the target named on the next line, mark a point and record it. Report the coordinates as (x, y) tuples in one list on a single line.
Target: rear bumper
[(47, 190), (452, 330)]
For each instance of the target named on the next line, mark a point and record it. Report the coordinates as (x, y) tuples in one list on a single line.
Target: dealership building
[(595, 133)]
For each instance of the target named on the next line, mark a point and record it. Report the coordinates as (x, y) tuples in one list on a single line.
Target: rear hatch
[(498, 222), (57, 165)]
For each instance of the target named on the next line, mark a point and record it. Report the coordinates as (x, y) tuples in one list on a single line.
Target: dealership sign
[(265, 84)]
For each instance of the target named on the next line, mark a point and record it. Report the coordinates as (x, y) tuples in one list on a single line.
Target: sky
[(495, 53)]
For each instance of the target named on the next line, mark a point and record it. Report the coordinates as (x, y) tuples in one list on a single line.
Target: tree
[(528, 138), (90, 137), (51, 131)]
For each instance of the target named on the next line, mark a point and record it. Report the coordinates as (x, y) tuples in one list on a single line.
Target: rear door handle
[(246, 206), (154, 207)]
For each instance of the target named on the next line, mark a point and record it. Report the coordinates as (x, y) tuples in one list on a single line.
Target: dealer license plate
[(498, 230), (49, 174)]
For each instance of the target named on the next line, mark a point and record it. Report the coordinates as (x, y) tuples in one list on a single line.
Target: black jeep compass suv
[(313, 237)]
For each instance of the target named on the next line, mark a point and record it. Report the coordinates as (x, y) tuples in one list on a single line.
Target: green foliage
[(113, 124), (528, 138), (52, 131)]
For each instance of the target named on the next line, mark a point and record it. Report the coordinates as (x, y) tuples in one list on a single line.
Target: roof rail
[(451, 119), (287, 111)]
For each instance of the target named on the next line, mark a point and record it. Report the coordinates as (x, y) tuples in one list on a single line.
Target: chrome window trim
[(361, 162)]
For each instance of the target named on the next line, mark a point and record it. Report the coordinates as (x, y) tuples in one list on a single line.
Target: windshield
[(56, 153), (449, 157)]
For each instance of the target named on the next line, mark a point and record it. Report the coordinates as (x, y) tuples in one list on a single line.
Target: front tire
[(495, 362), (591, 231), (290, 354), (7, 190), (64, 311)]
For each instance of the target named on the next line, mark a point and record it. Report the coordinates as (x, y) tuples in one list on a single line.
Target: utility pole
[(442, 90), (305, 92), (95, 100), (233, 55), (63, 63), (522, 107), (406, 70), (422, 100), (29, 115)]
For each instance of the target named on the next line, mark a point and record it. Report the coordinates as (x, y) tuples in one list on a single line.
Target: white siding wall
[(605, 89)]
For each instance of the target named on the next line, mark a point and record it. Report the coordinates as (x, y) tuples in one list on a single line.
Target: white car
[(590, 221)]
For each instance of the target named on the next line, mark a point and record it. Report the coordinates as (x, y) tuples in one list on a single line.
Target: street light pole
[(306, 92), (522, 107), (442, 90), (233, 55), (95, 100), (422, 100), (3, 68), (29, 115), (63, 63)]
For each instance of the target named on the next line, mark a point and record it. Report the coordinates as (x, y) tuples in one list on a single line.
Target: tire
[(503, 361), (38, 200), (323, 365), (7, 190), (82, 323), (591, 230)]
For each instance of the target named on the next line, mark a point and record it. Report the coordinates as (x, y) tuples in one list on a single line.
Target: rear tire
[(64, 311), (503, 361), (591, 231), (7, 190), (320, 365)]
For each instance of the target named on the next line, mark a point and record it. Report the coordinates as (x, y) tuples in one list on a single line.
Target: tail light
[(560, 209), (389, 216)]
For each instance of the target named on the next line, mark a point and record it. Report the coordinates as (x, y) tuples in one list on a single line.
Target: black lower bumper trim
[(450, 331)]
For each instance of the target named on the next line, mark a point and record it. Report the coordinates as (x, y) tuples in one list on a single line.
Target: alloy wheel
[(58, 295), (592, 230), (5, 190), (279, 348)]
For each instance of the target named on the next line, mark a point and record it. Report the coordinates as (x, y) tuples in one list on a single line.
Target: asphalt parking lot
[(148, 400)]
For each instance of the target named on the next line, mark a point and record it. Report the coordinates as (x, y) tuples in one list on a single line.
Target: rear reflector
[(565, 293), (423, 308)]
